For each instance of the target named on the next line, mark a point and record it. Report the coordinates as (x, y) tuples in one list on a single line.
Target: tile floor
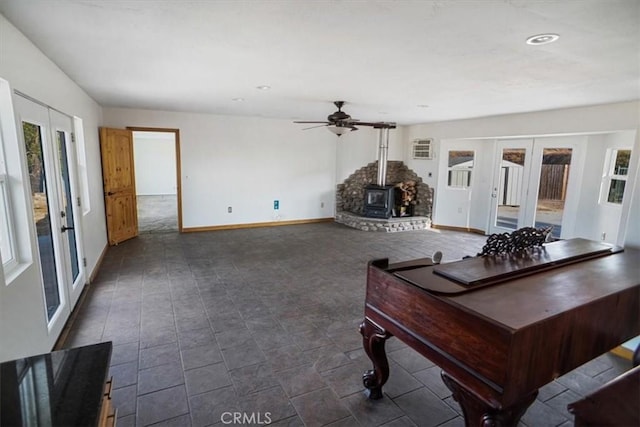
[(157, 214), (264, 322)]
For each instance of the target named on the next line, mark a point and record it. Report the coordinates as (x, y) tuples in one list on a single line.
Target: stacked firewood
[(407, 192)]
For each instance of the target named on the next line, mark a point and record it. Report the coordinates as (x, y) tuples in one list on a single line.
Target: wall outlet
[(604, 236), (322, 204), (459, 210), (229, 210), (276, 205)]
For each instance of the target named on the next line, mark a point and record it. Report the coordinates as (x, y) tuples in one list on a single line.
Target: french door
[(535, 185), (511, 185), (50, 160), (69, 207)]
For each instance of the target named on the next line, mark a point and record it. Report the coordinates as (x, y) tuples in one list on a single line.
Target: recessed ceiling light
[(423, 106), (542, 39), (237, 99), (263, 87)]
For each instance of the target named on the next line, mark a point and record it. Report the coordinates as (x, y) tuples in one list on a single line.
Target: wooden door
[(116, 147)]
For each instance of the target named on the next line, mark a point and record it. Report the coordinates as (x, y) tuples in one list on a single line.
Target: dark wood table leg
[(373, 339), (478, 413)]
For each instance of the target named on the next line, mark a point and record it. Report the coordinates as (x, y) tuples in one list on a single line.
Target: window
[(460, 165), (8, 247), (15, 242), (422, 149), (615, 176)]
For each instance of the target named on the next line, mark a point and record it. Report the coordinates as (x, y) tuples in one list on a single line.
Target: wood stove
[(379, 201)]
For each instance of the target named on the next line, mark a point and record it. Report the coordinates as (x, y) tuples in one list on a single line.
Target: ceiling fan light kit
[(341, 130), (340, 122)]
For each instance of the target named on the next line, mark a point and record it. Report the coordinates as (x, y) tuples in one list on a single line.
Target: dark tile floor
[(264, 321)]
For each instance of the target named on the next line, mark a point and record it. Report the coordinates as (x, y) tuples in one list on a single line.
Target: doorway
[(156, 159), (532, 185)]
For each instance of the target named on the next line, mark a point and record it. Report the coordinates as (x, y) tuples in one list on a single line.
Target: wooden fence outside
[(553, 182)]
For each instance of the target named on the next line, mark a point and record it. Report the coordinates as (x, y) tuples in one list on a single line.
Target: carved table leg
[(478, 413), (373, 339)]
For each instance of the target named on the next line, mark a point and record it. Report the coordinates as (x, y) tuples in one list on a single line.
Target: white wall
[(359, 148), (427, 169), (603, 119), (600, 217), (154, 155), (23, 328), (245, 163)]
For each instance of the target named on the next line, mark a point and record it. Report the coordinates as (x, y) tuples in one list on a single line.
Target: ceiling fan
[(340, 122)]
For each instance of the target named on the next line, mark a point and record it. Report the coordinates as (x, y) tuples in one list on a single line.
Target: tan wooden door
[(116, 148)]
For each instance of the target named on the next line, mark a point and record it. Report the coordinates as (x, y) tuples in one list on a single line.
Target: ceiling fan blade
[(379, 125), (318, 126), (368, 124), (339, 120)]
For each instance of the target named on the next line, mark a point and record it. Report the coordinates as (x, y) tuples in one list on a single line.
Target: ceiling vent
[(423, 149)]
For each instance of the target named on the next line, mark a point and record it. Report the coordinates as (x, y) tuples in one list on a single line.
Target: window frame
[(7, 223), (13, 171), (7, 236), (609, 175), (469, 169)]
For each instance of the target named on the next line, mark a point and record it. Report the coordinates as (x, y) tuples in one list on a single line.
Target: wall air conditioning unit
[(423, 149)]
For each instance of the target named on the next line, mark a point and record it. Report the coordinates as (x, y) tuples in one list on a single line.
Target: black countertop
[(62, 388)]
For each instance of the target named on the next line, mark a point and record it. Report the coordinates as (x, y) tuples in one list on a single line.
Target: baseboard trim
[(255, 225), (467, 229), (96, 268), (64, 334)]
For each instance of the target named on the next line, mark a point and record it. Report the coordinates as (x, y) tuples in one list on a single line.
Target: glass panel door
[(51, 164), (66, 207), (552, 188), (69, 210), (534, 184), (557, 163), (41, 201), (510, 185)]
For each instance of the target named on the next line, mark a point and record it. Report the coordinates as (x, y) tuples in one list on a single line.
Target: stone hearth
[(350, 199), (391, 225)]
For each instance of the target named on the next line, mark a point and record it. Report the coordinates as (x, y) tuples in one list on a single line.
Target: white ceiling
[(462, 58)]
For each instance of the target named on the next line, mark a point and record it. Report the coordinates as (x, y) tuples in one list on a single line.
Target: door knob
[(110, 193), (65, 228)]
